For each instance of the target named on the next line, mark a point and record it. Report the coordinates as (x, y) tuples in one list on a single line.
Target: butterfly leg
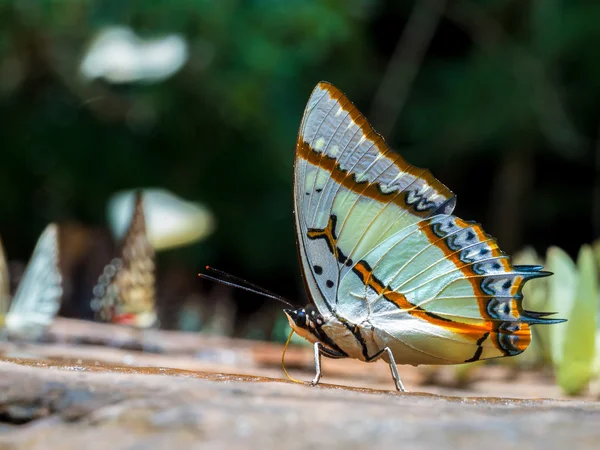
[(320, 349), (317, 363), (393, 367), (394, 370)]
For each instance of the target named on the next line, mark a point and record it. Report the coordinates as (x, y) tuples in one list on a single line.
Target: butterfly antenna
[(240, 280), (240, 283)]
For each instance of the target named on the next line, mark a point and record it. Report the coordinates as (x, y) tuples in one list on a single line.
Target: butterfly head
[(305, 321)]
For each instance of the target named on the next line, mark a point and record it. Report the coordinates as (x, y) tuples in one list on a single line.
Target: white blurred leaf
[(170, 221), (118, 55)]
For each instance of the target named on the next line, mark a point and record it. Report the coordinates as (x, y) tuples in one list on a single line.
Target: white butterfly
[(390, 272), (38, 296), (125, 292)]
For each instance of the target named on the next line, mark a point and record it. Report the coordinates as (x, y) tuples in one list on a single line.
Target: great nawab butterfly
[(390, 272), (125, 291), (39, 293)]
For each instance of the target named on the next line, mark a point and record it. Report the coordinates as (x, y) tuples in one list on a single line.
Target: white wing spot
[(339, 111), (316, 179), (322, 178), (310, 180), (360, 178), (350, 124), (411, 196), (387, 188), (319, 143), (334, 150)]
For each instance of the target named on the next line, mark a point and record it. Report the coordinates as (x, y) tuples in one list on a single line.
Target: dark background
[(498, 98)]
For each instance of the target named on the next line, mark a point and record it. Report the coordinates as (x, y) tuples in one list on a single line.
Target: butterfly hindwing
[(39, 293), (125, 291), (454, 296)]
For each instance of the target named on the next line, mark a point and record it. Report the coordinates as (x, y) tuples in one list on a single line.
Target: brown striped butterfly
[(390, 272), (125, 292), (37, 298)]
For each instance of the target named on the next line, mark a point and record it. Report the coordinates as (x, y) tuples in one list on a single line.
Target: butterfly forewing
[(380, 250), (125, 291), (38, 296), (351, 190)]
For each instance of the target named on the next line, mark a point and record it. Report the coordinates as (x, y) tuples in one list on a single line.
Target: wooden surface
[(207, 392)]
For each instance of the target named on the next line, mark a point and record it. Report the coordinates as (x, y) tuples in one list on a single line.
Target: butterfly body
[(330, 330), (390, 271)]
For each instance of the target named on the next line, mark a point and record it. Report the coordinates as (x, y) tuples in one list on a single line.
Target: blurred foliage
[(221, 131), (504, 110), (579, 348), (573, 293)]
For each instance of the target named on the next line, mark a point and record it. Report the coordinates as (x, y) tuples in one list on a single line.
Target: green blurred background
[(498, 98)]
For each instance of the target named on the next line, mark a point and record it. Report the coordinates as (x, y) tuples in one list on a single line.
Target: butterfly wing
[(351, 192), (4, 285), (125, 291), (378, 245), (38, 296)]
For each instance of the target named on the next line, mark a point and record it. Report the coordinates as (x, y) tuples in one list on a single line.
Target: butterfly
[(39, 293), (125, 291), (390, 272)]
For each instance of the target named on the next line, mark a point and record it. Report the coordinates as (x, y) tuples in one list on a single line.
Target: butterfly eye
[(299, 317)]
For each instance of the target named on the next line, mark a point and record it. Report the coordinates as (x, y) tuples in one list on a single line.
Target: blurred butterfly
[(39, 293), (125, 292), (390, 272)]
